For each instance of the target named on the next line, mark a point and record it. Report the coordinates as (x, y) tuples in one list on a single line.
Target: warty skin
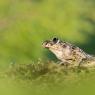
[(66, 52)]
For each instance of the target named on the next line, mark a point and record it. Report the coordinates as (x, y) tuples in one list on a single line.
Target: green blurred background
[(25, 24)]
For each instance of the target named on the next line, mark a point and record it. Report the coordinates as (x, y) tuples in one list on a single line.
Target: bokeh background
[(25, 24)]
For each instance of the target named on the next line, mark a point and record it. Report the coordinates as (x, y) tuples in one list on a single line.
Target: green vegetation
[(24, 25), (47, 79)]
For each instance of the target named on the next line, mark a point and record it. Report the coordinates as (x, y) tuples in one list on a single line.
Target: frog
[(67, 53)]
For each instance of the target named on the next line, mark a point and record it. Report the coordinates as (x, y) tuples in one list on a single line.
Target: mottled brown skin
[(66, 52)]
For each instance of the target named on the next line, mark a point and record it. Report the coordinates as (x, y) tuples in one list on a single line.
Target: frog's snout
[(46, 44)]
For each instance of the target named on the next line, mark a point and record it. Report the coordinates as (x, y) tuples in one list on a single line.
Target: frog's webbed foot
[(66, 64), (83, 61)]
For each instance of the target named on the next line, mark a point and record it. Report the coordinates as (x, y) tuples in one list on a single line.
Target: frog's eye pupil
[(55, 40)]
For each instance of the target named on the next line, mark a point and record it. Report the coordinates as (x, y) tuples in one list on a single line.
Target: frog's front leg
[(82, 61), (66, 64)]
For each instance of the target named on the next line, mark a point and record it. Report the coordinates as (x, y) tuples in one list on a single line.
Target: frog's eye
[(55, 40)]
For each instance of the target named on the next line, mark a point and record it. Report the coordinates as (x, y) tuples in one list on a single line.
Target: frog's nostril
[(44, 44)]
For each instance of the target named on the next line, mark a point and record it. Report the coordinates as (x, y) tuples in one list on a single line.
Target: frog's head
[(58, 47), (51, 43)]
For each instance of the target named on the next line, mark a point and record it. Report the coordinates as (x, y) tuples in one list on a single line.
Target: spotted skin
[(66, 52)]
